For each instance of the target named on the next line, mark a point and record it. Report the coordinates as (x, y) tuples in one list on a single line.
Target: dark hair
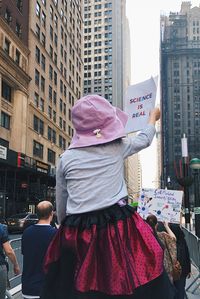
[(176, 229), (44, 210), (152, 221)]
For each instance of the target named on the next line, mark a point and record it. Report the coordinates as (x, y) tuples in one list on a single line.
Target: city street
[(99, 110)]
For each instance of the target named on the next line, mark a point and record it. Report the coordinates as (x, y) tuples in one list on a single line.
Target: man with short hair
[(35, 241)]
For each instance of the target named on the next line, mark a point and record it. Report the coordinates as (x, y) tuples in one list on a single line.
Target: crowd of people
[(172, 240), (102, 248)]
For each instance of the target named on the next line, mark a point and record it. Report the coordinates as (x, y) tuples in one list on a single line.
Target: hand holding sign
[(139, 101), (154, 115)]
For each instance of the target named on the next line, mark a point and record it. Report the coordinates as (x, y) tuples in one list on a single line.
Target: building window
[(61, 32), (41, 104), (61, 86), (17, 57), (55, 40), (37, 31), (37, 149), (5, 120), (19, 4), (51, 12), (54, 116), (51, 135), (54, 97), (18, 29), (42, 84), (37, 77), (36, 99), (43, 40), (62, 142), (56, 21), (55, 78), (37, 54), (8, 16), (51, 32), (61, 105), (60, 122), (38, 125), (50, 93), (44, 2), (6, 91), (70, 114), (43, 19), (55, 58), (38, 9), (64, 108), (50, 73), (64, 125), (50, 112), (51, 52), (7, 46), (51, 156), (43, 62)]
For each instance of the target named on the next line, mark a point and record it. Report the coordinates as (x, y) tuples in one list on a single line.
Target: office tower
[(14, 82), (106, 43), (41, 78), (180, 87)]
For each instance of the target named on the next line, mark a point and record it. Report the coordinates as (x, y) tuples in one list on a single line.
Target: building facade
[(105, 36), (40, 120), (14, 83), (107, 62), (180, 87)]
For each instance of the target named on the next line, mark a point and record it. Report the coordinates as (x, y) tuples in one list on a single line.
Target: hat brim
[(111, 132)]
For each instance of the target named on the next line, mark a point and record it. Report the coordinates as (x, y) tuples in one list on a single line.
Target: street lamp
[(186, 180), (195, 165)]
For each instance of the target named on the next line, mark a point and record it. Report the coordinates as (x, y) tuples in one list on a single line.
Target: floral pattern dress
[(170, 252)]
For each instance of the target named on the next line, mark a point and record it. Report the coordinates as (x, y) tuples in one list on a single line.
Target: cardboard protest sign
[(163, 203), (139, 100)]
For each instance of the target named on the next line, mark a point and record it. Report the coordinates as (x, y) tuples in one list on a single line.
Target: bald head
[(44, 210)]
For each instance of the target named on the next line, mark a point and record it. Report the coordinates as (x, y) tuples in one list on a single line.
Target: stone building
[(41, 78)]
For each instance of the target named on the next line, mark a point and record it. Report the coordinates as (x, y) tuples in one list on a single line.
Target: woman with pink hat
[(103, 249)]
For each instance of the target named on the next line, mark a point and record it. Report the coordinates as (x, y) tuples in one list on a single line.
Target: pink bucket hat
[(96, 121)]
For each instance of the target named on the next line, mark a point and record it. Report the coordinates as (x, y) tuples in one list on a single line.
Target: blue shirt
[(92, 178), (35, 241)]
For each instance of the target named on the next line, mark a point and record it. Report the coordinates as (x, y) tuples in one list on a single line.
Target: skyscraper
[(41, 74), (180, 86), (106, 49)]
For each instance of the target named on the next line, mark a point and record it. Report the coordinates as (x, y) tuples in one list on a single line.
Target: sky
[(144, 22)]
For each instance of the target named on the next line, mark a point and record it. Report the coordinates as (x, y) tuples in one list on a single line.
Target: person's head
[(176, 229), (153, 222), (96, 122), (44, 210)]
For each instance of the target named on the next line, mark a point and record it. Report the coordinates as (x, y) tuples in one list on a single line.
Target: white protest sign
[(139, 100), (163, 203)]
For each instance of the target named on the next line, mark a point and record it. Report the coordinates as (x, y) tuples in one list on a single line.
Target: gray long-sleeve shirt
[(92, 178)]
